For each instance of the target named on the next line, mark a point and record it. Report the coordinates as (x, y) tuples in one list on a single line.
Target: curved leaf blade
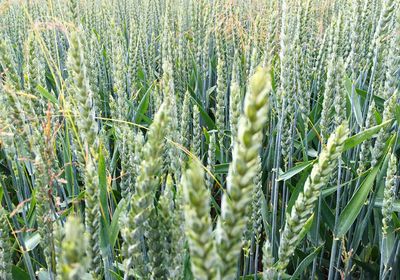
[(353, 208)]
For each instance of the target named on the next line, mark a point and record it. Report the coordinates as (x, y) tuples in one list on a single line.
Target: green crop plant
[(199, 139)]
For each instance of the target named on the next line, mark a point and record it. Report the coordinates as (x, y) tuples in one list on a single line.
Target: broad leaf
[(143, 106), (357, 139), (353, 208), (47, 95), (114, 227), (32, 241), (305, 263), (295, 170)]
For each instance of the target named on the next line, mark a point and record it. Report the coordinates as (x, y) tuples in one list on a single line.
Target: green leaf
[(259, 276), (353, 208), (306, 228), (116, 275), (143, 106), (1, 191), (357, 139), (372, 268), (206, 118), (378, 117), (114, 161), (32, 241), (105, 216), (273, 79), (354, 100), (47, 94), (222, 168), (378, 100), (210, 91), (298, 188), (102, 173), (388, 245), (395, 207), (114, 227), (251, 277), (295, 170), (397, 114), (327, 216), (305, 263), (43, 275), (18, 273), (68, 163)]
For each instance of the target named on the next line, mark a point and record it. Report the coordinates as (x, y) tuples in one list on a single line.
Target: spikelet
[(178, 240), (13, 125), (286, 97), (128, 171), (165, 217), (92, 216), (254, 54), (120, 107), (133, 56), (356, 33), (5, 247), (80, 93), (172, 150), (392, 62), (268, 262), (8, 64), (383, 134), (365, 150), (43, 210), (389, 194), (181, 62), (131, 248), (197, 132), (58, 234), (234, 207), (304, 204), (306, 47), (157, 249), (186, 122), (73, 259), (130, 160), (172, 224), (137, 224), (257, 196), (321, 60), (198, 223), (334, 90), (36, 72), (73, 9), (254, 223), (221, 89), (91, 52), (158, 235), (234, 104), (378, 48), (212, 145), (271, 45), (340, 98), (136, 156)]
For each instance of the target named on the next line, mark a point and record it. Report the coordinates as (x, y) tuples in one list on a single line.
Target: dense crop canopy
[(199, 139)]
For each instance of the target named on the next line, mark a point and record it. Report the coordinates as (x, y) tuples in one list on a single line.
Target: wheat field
[(199, 139)]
